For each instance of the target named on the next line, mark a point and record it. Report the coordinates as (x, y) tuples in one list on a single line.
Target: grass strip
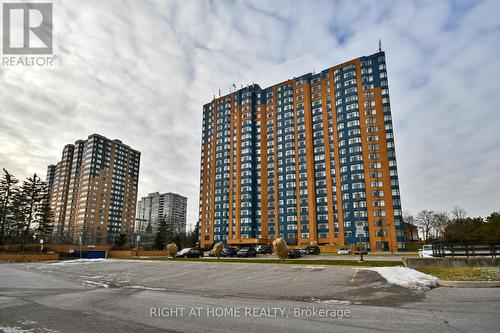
[(464, 273)]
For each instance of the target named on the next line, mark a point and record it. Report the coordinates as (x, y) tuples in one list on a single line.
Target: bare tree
[(425, 220), (441, 221), (409, 225), (458, 214)]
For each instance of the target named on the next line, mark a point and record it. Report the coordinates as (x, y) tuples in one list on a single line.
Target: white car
[(427, 251), (344, 250)]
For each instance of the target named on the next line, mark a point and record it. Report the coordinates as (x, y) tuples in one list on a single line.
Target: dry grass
[(464, 273)]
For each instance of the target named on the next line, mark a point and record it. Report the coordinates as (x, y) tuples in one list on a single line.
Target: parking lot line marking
[(354, 275)]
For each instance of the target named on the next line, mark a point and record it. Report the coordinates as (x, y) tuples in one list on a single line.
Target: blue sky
[(140, 71)]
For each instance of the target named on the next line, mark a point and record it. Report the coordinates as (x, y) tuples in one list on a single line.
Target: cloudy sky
[(140, 71)]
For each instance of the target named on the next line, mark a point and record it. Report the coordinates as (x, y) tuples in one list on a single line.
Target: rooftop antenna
[(219, 92), (380, 45)]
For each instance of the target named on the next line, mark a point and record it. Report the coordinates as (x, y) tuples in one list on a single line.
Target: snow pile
[(406, 277), (96, 284), (77, 261), (15, 329)]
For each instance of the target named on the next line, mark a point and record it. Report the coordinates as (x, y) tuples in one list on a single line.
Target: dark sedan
[(294, 253), (229, 252), (264, 249), (247, 252), (311, 249), (189, 253)]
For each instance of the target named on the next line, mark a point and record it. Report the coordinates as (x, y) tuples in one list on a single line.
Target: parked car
[(344, 250), (247, 252), (189, 253), (427, 251), (264, 249), (311, 249), (229, 251), (294, 253), (363, 251)]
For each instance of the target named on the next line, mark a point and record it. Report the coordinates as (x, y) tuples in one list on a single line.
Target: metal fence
[(465, 249)]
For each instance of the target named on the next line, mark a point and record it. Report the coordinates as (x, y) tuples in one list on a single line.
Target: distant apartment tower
[(94, 191), (305, 160), (155, 206)]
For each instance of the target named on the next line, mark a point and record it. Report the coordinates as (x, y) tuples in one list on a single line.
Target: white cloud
[(141, 71)]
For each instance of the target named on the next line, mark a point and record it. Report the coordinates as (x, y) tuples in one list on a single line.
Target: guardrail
[(465, 250)]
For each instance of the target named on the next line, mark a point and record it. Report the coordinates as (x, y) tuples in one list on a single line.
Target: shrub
[(280, 248), (172, 249), (218, 249)]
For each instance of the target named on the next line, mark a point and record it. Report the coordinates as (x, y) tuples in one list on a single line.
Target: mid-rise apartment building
[(94, 191), (311, 159), (155, 206)]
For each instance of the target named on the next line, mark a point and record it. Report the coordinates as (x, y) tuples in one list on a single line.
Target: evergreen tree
[(15, 219), (7, 190), (44, 215), (195, 234), (162, 236), (30, 195), (122, 240)]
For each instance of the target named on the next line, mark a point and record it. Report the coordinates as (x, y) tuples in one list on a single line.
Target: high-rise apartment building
[(94, 191), (155, 206), (311, 160)]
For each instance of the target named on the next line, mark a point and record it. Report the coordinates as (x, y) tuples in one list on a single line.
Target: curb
[(469, 284)]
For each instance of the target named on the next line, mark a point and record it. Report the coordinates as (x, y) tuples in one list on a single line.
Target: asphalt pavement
[(152, 296)]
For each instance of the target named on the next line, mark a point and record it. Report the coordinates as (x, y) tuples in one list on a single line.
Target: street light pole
[(359, 225), (138, 238), (390, 237), (80, 242)]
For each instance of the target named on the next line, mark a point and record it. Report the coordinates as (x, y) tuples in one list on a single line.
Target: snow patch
[(96, 284), (147, 288), (15, 329), (309, 268), (406, 277), (333, 301), (78, 261), (91, 277)]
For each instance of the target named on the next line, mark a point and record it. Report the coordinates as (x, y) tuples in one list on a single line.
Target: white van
[(426, 251)]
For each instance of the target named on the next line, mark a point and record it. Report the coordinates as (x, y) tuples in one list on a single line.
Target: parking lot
[(329, 256), (148, 296)]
